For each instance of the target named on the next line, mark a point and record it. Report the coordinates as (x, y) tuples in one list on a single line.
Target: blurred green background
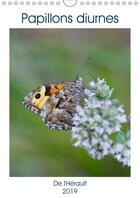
[(46, 55)]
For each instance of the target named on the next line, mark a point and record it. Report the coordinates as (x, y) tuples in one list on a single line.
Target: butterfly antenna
[(88, 74), (88, 62), (84, 66)]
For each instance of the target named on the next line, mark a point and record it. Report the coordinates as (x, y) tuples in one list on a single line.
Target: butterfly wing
[(56, 103)]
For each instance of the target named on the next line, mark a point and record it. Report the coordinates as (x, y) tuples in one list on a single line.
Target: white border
[(42, 187)]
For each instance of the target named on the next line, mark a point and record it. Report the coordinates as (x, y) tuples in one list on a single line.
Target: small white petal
[(77, 144)]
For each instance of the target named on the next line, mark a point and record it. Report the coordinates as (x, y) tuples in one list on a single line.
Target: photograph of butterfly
[(46, 89), (55, 103)]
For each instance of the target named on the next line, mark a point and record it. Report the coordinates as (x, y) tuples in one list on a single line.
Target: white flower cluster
[(96, 122), (121, 150)]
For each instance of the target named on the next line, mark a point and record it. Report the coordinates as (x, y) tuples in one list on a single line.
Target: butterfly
[(56, 102)]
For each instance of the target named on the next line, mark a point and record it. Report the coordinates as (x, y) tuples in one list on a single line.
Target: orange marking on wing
[(56, 88)]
